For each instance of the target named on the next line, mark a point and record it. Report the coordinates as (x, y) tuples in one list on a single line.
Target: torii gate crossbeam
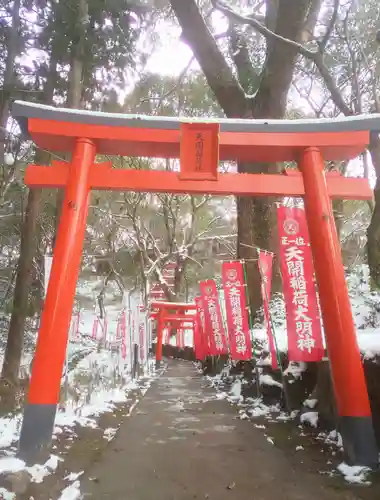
[(200, 145)]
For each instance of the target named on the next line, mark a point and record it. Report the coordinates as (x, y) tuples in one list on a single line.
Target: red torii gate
[(178, 322), (199, 144), (169, 312)]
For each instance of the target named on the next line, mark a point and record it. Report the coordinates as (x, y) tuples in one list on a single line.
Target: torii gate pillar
[(51, 346), (353, 408)]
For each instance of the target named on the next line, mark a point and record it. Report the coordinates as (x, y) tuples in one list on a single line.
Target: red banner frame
[(213, 318), (239, 334), (303, 322)]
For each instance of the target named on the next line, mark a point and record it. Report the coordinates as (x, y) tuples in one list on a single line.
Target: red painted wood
[(104, 178)]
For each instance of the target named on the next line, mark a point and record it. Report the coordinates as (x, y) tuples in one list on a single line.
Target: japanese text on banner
[(302, 314), (236, 310), (213, 318)]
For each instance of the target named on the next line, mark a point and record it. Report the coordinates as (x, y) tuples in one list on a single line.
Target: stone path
[(181, 444)]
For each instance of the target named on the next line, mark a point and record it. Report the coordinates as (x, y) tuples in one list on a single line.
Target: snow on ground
[(310, 417), (254, 408), (354, 474), (71, 492), (266, 379), (95, 378), (6, 495), (366, 313), (98, 382)]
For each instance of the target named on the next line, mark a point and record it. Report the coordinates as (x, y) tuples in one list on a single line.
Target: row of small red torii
[(304, 330), (100, 331)]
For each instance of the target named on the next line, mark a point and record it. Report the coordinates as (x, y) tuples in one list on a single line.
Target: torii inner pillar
[(199, 145)]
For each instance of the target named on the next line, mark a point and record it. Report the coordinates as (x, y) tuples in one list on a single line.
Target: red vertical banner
[(236, 310), (302, 315), (200, 336), (123, 333), (213, 318), (265, 267)]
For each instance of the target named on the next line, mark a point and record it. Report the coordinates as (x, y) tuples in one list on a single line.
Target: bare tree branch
[(356, 100), (219, 75), (322, 44), (315, 56)]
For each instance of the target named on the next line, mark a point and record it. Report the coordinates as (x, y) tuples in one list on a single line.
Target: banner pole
[(284, 386), (146, 322), (130, 321), (250, 321), (223, 312)]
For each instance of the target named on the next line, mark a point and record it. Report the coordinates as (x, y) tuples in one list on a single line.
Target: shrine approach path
[(181, 443)]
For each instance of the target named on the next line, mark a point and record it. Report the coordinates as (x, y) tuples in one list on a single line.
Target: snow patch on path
[(354, 474), (71, 492), (311, 418)]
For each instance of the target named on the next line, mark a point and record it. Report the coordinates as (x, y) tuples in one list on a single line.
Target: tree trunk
[(75, 88), (9, 75), (373, 231), (255, 216), (13, 350), (255, 229)]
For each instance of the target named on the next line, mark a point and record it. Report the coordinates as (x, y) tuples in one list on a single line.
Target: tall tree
[(283, 26), (9, 77), (344, 78), (13, 350), (86, 38)]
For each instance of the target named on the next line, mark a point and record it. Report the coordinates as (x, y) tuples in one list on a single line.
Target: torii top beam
[(136, 135), (199, 144), (180, 306)]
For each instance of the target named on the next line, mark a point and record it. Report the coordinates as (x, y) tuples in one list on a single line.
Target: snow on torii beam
[(200, 145), (241, 140)]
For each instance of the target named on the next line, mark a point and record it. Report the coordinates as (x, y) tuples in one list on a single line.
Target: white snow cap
[(9, 159)]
